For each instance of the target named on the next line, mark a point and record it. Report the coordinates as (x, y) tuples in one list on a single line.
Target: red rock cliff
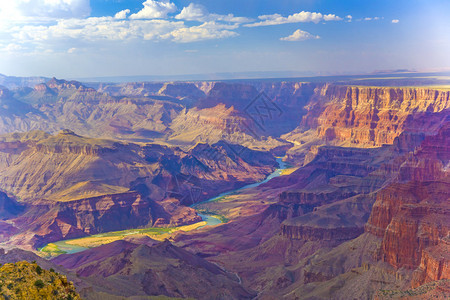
[(410, 217), (374, 115)]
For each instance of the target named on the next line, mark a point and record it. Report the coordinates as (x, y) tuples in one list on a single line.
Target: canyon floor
[(320, 188)]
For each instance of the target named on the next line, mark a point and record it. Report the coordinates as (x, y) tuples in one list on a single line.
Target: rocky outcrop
[(336, 222), (219, 118), (334, 174), (181, 90), (434, 264), (374, 115), (415, 228), (391, 199), (141, 89), (410, 217), (61, 84), (308, 233), (45, 221), (50, 221)]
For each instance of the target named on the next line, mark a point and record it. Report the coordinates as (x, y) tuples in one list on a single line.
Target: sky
[(94, 38)]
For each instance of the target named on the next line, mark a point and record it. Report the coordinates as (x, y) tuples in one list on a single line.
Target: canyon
[(362, 209)]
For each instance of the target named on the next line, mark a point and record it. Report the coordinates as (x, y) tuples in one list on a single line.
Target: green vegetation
[(39, 284), (158, 233), (215, 214), (51, 250), (218, 199), (38, 270), (24, 280)]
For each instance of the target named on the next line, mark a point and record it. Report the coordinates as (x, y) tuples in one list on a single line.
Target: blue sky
[(82, 38)]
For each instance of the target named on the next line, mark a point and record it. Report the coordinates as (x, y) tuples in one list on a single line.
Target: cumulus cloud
[(395, 21), (301, 17), (95, 29), (72, 32), (331, 17), (197, 12), (65, 25), (192, 12), (122, 14), (43, 9), (155, 10), (205, 31), (300, 35)]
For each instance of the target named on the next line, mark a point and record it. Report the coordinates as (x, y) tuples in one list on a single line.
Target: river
[(210, 219)]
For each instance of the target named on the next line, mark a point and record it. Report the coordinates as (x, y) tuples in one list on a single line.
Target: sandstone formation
[(434, 264), (366, 115)]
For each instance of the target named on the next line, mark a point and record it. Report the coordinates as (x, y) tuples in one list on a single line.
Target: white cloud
[(13, 48), (332, 17), (371, 19), (300, 35), (395, 21), (94, 29), (197, 12), (155, 10), (206, 31), (301, 17), (43, 9), (122, 14), (74, 33), (192, 12)]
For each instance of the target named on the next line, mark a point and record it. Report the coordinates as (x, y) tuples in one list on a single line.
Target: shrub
[(39, 284), (39, 270)]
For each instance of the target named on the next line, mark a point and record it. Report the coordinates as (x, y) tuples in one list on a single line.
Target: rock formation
[(163, 269)]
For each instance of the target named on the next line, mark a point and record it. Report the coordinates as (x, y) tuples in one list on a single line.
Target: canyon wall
[(412, 219), (377, 115), (372, 116), (48, 221)]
